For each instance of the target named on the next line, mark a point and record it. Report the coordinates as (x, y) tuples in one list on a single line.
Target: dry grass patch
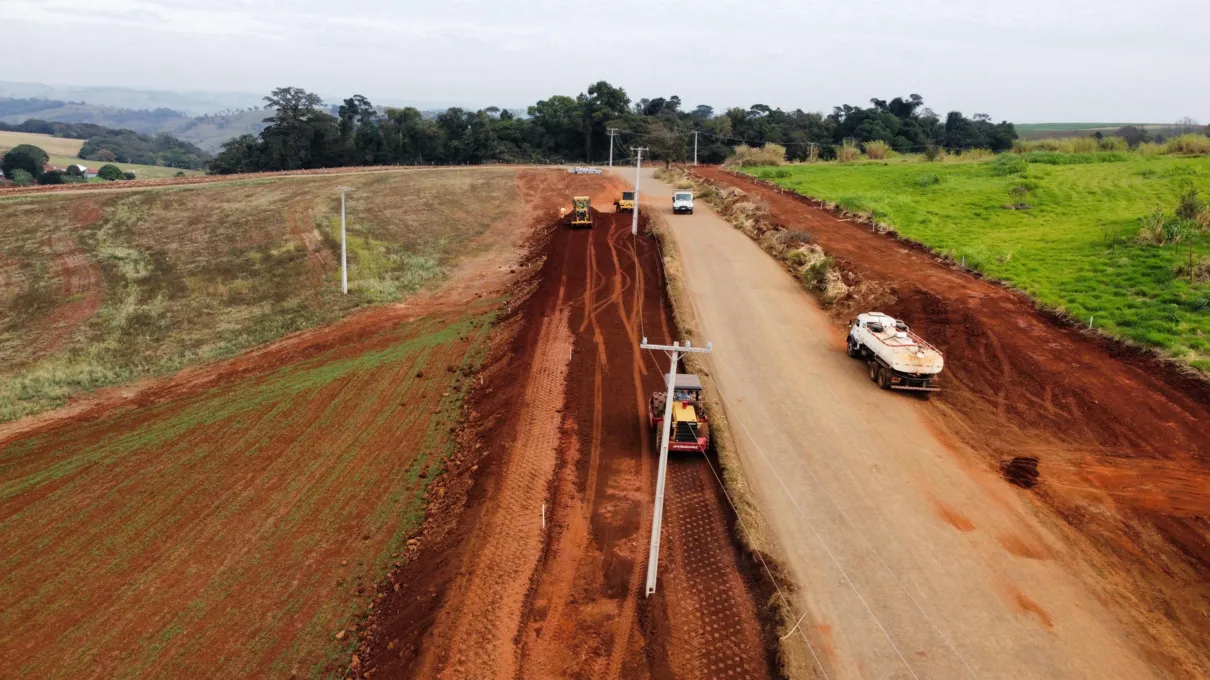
[(191, 274)]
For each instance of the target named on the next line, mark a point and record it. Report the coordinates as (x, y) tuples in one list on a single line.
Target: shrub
[(1113, 144), (1151, 149), (877, 149), (25, 157), (1008, 164), (1160, 229), (934, 153), (1084, 145), (1189, 206), (847, 152), (749, 156), (74, 171), (52, 177), (22, 178), (181, 173), (1189, 144), (109, 173), (928, 179), (128, 175)]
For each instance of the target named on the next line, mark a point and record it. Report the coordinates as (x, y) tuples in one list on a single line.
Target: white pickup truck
[(682, 202), (898, 358)]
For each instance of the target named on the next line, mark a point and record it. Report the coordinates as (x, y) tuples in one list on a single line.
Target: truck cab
[(682, 202)]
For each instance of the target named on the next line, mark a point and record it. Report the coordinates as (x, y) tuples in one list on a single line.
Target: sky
[(1026, 60)]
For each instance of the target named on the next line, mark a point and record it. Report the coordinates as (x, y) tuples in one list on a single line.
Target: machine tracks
[(549, 578)]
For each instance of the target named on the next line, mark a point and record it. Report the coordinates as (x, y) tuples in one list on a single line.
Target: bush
[(1190, 206), (180, 173), (934, 153), (1151, 149), (847, 152), (877, 149), (749, 156), (110, 173), (928, 179), (1084, 145), (1189, 144), (74, 171), (25, 157), (52, 177), (1113, 144), (22, 178), (128, 175), (1008, 164), (1159, 229)]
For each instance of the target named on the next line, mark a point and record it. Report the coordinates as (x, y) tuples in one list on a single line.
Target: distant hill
[(207, 131), (186, 103)]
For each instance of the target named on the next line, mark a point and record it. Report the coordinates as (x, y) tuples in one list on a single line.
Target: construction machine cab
[(581, 212)]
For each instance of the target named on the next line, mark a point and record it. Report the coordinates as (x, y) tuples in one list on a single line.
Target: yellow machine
[(625, 203), (581, 212)]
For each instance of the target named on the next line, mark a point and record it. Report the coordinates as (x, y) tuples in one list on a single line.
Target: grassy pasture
[(65, 152), (102, 288), (230, 532), (1075, 250)]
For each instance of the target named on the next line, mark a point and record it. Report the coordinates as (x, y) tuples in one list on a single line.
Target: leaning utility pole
[(344, 270), (638, 166), (695, 147), (612, 132), (675, 352)]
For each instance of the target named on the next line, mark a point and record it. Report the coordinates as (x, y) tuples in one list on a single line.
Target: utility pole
[(638, 166), (344, 268), (695, 147), (675, 352), (612, 132)]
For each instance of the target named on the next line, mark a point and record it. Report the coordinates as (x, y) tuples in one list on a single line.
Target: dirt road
[(910, 562), (548, 579)]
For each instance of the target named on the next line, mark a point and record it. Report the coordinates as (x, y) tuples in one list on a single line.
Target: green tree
[(25, 157), (74, 171), (52, 177), (109, 172), (299, 134), (22, 178)]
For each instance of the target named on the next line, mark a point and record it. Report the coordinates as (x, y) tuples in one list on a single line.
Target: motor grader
[(690, 429), (581, 212)]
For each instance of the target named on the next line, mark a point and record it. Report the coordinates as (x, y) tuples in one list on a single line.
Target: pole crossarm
[(675, 351)]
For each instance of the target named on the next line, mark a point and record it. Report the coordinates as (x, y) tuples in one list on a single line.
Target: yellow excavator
[(581, 212)]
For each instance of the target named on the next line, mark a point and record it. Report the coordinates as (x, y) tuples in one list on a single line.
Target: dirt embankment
[(541, 575), (1114, 443)]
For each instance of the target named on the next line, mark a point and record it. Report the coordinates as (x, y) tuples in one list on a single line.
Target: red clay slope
[(1122, 439)]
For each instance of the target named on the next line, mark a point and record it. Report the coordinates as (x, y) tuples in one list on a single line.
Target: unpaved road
[(909, 562)]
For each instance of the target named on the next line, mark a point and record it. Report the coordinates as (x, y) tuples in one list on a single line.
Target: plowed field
[(1111, 445), (232, 520), (543, 575)]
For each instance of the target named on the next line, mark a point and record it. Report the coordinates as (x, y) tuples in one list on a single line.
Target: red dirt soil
[(564, 439), (1122, 439)]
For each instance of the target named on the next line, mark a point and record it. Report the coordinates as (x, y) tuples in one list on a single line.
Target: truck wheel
[(854, 350), (873, 365), (884, 379)]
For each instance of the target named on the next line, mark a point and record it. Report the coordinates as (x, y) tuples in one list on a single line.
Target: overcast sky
[(1026, 60)]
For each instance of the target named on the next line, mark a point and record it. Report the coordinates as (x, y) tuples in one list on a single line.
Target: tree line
[(303, 133)]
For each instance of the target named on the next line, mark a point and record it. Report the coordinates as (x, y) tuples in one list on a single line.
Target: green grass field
[(1075, 250), (64, 152)]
